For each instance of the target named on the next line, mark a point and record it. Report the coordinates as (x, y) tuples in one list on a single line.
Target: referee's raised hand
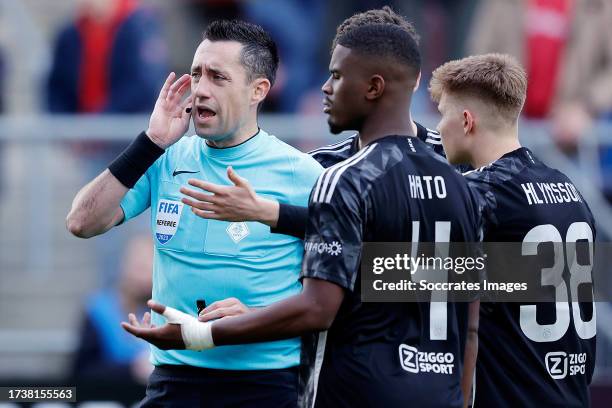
[(170, 118)]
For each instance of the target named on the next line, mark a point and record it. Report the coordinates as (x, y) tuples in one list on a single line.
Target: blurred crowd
[(104, 348), (111, 57)]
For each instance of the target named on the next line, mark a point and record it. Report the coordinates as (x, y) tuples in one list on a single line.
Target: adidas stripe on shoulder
[(336, 147), (327, 182), (478, 170), (433, 137)]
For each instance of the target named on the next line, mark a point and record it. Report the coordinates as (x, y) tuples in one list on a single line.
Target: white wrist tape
[(196, 335)]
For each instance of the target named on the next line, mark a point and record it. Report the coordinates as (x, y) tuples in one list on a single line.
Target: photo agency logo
[(524, 272)]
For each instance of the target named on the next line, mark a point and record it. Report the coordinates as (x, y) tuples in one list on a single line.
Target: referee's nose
[(201, 89)]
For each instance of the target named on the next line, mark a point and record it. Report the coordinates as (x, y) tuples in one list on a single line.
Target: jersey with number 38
[(536, 354)]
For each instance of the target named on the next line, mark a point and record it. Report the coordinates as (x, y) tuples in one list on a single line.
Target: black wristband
[(292, 220), (134, 161)]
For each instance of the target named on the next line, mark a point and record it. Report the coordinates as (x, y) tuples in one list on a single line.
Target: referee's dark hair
[(259, 53), (384, 41)]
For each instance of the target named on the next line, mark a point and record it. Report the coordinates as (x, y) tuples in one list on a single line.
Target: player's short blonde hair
[(495, 78)]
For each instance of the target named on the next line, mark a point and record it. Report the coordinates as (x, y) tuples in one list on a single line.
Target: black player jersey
[(331, 154), (535, 355), (292, 218), (396, 189)]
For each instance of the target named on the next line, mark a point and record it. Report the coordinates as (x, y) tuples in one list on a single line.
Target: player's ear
[(376, 87), (261, 87), (468, 122)]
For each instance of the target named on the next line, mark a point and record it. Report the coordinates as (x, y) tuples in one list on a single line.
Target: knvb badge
[(237, 231), (167, 220)]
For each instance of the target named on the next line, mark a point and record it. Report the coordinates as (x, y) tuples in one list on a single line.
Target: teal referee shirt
[(213, 260)]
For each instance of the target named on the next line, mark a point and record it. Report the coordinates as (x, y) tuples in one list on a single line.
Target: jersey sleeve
[(137, 199), (332, 247), (306, 170), (292, 216), (292, 220)]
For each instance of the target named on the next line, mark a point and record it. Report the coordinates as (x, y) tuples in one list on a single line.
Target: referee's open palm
[(170, 118)]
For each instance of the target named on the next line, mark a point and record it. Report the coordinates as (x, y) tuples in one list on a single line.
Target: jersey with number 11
[(396, 189)]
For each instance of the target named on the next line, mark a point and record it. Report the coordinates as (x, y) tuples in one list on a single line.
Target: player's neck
[(374, 128), (493, 145)]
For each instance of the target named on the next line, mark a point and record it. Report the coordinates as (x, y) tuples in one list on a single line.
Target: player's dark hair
[(385, 15), (383, 41), (259, 53)]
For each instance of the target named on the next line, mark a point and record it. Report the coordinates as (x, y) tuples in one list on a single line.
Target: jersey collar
[(237, 151)]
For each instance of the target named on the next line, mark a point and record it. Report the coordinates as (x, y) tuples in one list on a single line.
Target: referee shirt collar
[(237, 151)]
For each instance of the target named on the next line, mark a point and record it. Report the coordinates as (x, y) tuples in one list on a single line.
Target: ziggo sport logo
[(335, 248), (415, 361)]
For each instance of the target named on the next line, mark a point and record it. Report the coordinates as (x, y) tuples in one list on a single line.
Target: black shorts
[(186, 386)]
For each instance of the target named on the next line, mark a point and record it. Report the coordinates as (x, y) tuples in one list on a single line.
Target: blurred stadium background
[(61, 298)]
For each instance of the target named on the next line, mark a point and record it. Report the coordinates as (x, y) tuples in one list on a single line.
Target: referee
[(232, 72)]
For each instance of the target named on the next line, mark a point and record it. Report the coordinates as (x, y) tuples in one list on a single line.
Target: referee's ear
[(261, 87)]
